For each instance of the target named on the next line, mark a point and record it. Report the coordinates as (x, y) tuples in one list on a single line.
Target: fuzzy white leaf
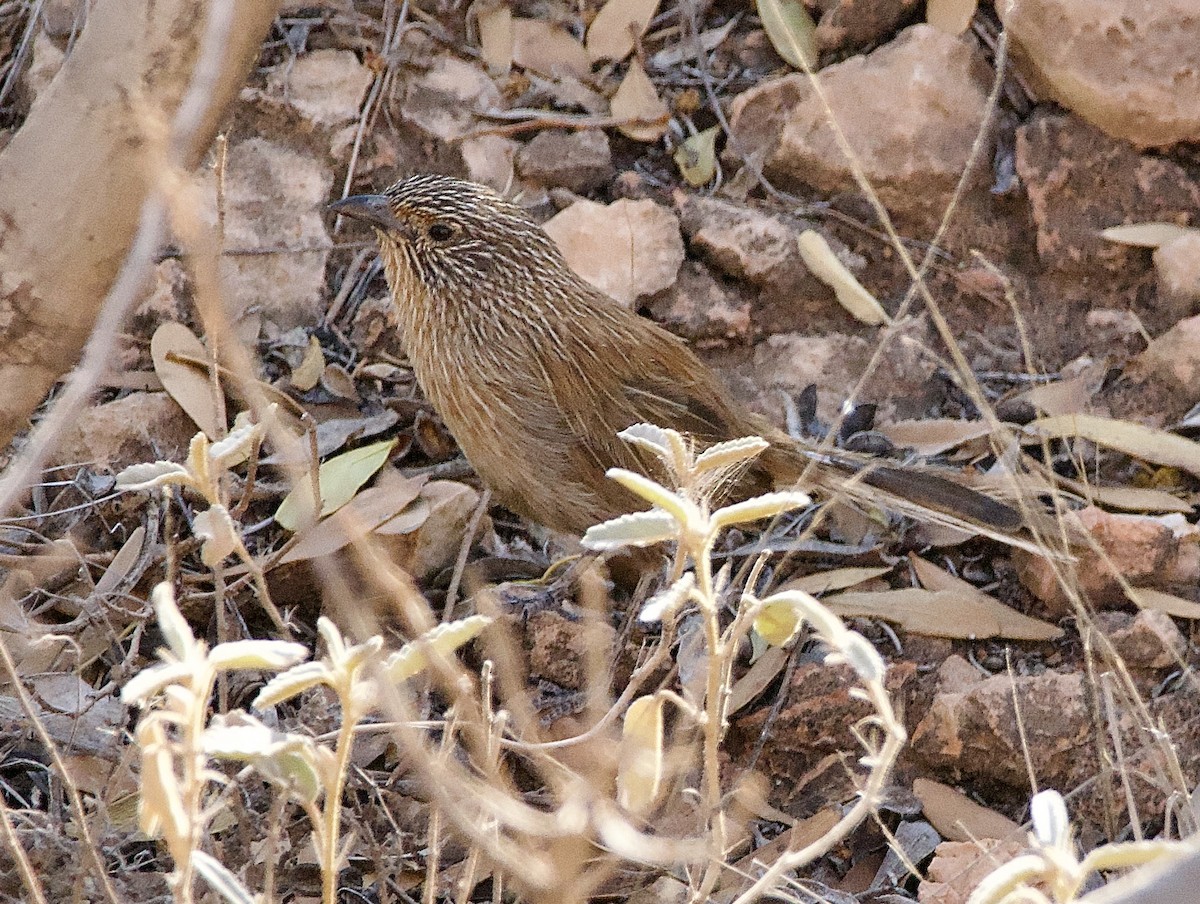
[(731, 452), (637, 529)]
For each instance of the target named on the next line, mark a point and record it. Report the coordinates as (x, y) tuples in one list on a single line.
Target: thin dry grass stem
[(29, 879), (394, 28), (1112, 720), (464, 551), (91, 850), (1026, 752)]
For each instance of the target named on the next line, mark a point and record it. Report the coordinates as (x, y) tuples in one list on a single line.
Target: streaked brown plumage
[(535, 371)]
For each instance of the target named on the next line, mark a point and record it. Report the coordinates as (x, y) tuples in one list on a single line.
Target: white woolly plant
[(683, 515), (1055, 865), (177, 744)]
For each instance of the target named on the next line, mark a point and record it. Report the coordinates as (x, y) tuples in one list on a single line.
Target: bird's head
[(451, 235)]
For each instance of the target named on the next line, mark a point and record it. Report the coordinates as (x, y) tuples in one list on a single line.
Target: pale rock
[(958, 867), (1138, 548), (626, 249), (324, 87), (489, 160), (47, 60), (956, 675), (444, 100), (1146, 640), (1173, 358), (760, 249), (976, 734), (62, 18), (580, 161), (703, 309), (911, 111), (833, 362), (1128, 66), (136, 428), (274, 203), (742, 242), (1177, 265)]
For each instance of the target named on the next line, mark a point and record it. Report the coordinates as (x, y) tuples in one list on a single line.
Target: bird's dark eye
[(441, 232)]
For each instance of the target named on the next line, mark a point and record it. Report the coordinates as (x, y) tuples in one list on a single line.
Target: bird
[(535, 371)]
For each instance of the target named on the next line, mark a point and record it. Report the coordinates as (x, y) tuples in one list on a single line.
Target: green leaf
[(697, 158), (791, 30), (340, 478)]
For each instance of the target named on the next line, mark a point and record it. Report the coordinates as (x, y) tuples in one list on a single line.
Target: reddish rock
[(1128, 66), (860, 23), (559, 647), (140, 427), (975, 735), (1147, 640), (1138, 548), (958, 867), (911, 110), (1061, 160)]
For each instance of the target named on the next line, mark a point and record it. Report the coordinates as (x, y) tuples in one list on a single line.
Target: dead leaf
[(637, 100), (340, 479), (945, 613), (617, 26), (957, 817), (1147, 235), (834, 579), (308, 371), (338, 383), (426, 536), (934, 436), (187, 384), (357, 518), (548, 49), (1129, 499), (640, 767), (1134, 440), (791, 30), (828, 267), (759, 676), (1070, 396), (1159, 601), (711, 39), (121, 563), (496, 38)]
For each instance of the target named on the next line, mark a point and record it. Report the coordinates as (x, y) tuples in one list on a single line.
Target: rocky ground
[(1011, 667)]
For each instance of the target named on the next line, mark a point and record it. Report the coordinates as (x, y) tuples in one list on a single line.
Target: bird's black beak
[(373, 209)]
